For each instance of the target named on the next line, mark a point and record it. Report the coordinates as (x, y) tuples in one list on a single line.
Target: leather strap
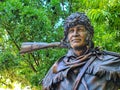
[(112, 53), (82, 72)]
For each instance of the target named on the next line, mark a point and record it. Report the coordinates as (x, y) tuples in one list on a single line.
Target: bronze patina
[(84, 67)]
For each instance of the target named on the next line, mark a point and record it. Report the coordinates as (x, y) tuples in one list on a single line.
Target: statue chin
[(80, 48)]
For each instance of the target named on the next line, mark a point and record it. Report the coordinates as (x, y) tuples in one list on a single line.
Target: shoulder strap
[(82, 72), (112, 53)]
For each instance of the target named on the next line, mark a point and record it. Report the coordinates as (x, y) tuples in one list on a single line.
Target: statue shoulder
[(53, 75), (108, 66), (111, 53)]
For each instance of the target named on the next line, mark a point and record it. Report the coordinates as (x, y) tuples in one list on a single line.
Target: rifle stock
[(27, 47)]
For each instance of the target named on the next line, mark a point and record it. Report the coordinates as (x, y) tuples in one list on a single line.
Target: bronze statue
[(84, 67)]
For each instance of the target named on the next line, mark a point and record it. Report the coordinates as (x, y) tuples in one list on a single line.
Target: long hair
[(78, 19)]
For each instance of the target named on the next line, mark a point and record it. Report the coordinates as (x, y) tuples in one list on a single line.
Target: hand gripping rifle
[(27, 47)]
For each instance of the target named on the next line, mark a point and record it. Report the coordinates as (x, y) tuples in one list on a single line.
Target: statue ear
[(89, 40), (89, 37), (66, 42)]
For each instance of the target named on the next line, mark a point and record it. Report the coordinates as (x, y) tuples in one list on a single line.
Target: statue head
[(79, 19)]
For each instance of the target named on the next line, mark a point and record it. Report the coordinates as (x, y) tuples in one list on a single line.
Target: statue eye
[(81, 29), (71, 31)]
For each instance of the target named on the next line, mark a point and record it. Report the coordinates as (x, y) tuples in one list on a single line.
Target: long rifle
[(27, 47)]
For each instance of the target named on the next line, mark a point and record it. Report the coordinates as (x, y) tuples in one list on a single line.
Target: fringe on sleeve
[(108, 68), (53, 77)]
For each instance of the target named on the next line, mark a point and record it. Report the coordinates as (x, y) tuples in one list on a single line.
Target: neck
[(80, 51)]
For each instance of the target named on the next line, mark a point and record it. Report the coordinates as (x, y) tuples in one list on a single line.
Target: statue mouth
[(76, 40)]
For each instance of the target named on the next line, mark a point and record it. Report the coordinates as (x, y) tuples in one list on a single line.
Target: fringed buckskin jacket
[(102, 74)]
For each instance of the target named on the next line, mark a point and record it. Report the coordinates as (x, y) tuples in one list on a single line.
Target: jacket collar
[(71, 53)]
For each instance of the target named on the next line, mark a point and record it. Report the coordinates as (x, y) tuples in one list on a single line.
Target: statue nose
[(76, 32)]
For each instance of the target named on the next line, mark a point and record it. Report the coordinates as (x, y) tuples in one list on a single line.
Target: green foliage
[(41, 21)]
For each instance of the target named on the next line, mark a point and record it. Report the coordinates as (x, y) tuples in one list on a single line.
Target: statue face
[(77, 36)]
